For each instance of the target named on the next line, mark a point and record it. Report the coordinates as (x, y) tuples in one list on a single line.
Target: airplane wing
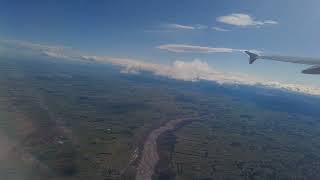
[(312, 70), (252, 57), (299, 60)]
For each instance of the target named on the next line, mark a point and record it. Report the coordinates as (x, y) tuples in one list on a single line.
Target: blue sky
[(134, 29)]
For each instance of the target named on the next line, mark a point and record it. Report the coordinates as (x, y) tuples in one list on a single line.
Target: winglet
[(252, 57)]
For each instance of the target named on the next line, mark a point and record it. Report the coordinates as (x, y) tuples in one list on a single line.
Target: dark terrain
[(76, 120)]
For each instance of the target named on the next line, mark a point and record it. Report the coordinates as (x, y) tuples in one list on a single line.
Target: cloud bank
[(181, 70), (197, 70), (244, 20)]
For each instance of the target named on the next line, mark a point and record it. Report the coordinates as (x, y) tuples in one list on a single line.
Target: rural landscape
[(159, 90), (81, 120)]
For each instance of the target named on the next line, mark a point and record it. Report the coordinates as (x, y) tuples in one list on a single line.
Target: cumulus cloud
[(181, 70), (243, 20), (185, 48), (188, 71)]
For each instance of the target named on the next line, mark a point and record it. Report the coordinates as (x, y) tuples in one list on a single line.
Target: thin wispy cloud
[(220, 29), (20, 47), (185, 48), (185, 27), (201, 26), (174, 27), (178, 27), (181, 70), (30, 45), (244, 20)]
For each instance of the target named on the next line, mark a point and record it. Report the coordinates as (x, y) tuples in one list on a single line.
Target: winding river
[(149, 156)]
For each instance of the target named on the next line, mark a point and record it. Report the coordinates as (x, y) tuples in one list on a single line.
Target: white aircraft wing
[(299, 60)]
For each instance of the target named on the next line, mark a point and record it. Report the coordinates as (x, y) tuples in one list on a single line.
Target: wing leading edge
[(299, 60)]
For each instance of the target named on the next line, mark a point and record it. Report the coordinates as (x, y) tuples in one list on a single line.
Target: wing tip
[(252, 57)]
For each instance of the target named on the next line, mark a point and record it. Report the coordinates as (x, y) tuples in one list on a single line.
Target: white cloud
[(179, 26), (56, 51), (199, 70), (172, 27), (270, 22), (220, 29), (243, 20), (55, 54), (17, 44), (185, 48), (181, 70), (201, 26), (188, 71)]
